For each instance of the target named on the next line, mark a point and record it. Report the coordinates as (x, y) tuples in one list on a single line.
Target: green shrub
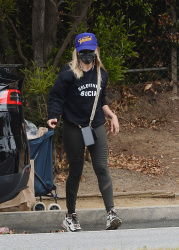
[(114, 42), (37, 85)]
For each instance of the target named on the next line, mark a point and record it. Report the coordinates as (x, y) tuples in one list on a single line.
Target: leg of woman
[(98, 153), (74, 147)]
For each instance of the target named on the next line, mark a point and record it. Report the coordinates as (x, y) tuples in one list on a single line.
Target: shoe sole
[(114, 225), (65, 227), (69, 230)]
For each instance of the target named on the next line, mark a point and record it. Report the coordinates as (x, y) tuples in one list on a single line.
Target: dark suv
[(14, 146)]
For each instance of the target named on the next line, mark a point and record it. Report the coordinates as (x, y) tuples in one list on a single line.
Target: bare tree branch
[(5, 44), (56, 5), (60, 2), (67, 39), (70, 15), (18, 42)]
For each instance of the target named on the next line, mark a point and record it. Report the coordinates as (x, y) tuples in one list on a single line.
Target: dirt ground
[(143, 157)]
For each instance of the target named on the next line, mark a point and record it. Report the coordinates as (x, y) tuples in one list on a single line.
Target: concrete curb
[(122, 195), (91, 220)]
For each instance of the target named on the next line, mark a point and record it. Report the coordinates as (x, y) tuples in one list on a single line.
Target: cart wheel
[(53, 206), (39, 206)]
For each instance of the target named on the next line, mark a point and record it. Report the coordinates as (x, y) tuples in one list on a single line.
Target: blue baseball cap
[(85, 41)]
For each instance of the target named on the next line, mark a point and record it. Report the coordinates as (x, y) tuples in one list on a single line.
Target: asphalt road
[(122, 239)]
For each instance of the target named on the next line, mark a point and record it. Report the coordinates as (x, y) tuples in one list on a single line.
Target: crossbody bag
[(89, 135)]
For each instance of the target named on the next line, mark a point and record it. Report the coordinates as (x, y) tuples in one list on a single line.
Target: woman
[(72, 96)]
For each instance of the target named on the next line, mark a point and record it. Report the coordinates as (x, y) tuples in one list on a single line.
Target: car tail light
[(11, 96)]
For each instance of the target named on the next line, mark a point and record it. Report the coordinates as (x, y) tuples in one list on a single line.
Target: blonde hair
[(75, 64)]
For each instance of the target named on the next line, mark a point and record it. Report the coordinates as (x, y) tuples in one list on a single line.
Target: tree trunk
[(38, 17), (51, 20), (174, 55), (79, 9), (44, 27)]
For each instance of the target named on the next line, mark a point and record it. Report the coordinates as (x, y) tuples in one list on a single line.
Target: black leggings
[(74, 146)]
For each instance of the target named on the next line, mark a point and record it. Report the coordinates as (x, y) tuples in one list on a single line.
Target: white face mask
[(86, 56)]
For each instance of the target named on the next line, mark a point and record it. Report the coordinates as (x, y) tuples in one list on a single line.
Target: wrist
[(113, 116)]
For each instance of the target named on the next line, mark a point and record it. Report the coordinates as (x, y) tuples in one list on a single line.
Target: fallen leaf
[(148, 86)]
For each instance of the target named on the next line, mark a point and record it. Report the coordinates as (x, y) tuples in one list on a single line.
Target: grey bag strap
[(96, 97)]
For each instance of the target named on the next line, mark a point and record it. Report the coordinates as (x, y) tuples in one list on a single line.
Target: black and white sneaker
[(113, 220), (71, 223)]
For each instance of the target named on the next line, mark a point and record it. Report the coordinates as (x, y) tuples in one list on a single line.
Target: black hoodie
[(73, 98)]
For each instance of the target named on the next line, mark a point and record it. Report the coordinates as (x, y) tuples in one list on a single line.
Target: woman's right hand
[(52, 123)]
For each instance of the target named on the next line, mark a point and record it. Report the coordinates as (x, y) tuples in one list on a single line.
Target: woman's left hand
[(114, 119), (114, 125)]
